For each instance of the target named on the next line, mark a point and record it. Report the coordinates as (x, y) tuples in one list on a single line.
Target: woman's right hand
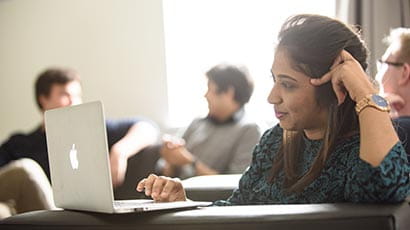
[(346, 74), (161, 188)]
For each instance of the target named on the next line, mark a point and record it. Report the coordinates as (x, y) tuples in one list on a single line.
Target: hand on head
[(347, 76), (161, 188)]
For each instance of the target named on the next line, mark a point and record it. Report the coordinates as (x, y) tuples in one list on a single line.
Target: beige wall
[(117, 46)]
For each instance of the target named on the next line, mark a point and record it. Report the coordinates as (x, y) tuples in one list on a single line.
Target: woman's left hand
[(346, 74)]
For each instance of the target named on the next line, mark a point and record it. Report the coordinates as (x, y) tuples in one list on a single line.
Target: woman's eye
[(287, 85)]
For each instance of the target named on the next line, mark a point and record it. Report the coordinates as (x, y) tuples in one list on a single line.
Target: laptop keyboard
[(131, 203)]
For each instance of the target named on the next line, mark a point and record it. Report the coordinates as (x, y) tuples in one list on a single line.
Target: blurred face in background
[(390, 69), (219, 102), (62, 95)]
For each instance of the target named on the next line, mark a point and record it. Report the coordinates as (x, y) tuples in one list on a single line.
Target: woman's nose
[(274, 96)]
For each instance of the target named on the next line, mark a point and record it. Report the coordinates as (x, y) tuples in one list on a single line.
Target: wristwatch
[(374, 100)]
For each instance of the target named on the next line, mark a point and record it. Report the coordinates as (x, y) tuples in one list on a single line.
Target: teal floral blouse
[(345, 177)]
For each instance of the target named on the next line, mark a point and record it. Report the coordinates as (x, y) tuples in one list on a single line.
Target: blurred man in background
[(222, 142), (394, 76), (55, 88)]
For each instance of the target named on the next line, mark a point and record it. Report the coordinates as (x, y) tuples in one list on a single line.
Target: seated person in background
[(59, 87), (335, 141), (23, 187), (394, 75), (222, 142)]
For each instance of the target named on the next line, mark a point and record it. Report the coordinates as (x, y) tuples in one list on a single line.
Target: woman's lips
[(279, 115)]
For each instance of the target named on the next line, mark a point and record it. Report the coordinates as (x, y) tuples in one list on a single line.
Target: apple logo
[(73, 157)]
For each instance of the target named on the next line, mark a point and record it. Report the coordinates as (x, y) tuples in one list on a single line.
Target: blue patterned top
[(345, 177)]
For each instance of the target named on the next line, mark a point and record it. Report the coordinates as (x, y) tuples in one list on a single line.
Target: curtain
[(375, 18)]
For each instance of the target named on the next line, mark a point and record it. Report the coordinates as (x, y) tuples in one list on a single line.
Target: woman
[(334, 142)]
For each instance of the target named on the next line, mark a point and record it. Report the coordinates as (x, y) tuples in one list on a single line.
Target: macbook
[(79, 163)]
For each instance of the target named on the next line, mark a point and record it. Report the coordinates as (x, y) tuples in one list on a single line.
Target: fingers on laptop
[(162, 188)]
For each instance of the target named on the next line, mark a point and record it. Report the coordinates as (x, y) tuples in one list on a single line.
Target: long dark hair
[(313, 42)]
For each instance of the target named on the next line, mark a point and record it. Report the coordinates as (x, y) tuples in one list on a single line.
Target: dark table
[(272, 217)]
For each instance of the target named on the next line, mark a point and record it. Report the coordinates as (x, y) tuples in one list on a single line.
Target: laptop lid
[(78, 156)]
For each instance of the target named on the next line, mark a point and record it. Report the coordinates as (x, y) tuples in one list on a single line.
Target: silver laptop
[(79, 163)]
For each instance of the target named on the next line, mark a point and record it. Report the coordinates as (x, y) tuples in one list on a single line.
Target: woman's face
[(294, 99)]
